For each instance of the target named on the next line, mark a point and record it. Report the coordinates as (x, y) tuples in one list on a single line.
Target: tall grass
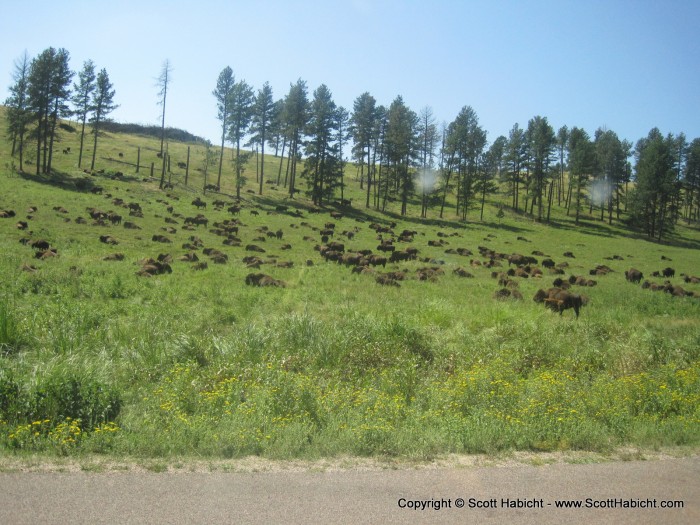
[(94, 358)]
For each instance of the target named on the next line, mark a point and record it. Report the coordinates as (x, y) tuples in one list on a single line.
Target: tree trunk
[(187, 166), (279, 173), (82, 138)]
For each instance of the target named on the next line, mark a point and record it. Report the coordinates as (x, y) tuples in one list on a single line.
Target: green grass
[(95, 359)]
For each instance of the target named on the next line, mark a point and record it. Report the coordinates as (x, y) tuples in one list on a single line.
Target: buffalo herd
[(394, 248)]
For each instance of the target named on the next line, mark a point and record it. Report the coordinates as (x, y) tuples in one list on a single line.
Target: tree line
[(400, 155), (41, 95), (404, 156)]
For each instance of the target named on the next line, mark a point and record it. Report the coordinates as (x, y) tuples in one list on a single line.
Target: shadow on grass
[(87, 183)]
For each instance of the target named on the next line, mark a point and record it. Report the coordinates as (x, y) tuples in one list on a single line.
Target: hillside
[(96, 356)]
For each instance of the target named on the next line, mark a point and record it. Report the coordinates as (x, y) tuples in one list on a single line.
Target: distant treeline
[(176, 134)]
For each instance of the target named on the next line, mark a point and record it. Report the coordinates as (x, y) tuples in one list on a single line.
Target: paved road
[(360, 496)]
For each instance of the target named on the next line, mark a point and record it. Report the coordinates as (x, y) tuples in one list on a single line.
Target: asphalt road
[(352, 496)]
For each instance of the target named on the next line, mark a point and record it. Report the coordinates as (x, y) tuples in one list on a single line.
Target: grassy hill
[(97, 359)]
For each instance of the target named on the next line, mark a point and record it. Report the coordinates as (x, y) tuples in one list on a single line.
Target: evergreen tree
[(295, 117), (263, 116), (48, 91), (562, 139), (102, 105), (320, 149), (691, 181), (401, 151), (60, 96), (82, 100), (515, 162), (364, 127), (242, 100), (342, 118), (467, 139), (18, 107), (581, 154), (427, 143), (542, 143), (652, 200), (611, 162), (489, 170), (223, 95)]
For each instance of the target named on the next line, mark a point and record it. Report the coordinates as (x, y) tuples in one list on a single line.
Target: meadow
[(95, 359)]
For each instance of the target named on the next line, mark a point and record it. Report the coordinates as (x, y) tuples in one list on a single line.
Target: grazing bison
[(505, 293), (521, 260), (386, 280), (151, 267), (668, 272), (199, 203), (601, 269), (461, 272), (108, 239), (260, 279), (160, 238), (559, 300), (199, 219), (633, 275), (377, 260)]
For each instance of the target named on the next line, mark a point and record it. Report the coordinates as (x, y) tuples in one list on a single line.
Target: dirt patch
[(98, 464)]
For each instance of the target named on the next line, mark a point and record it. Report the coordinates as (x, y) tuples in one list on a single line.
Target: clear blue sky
[(624, 65)]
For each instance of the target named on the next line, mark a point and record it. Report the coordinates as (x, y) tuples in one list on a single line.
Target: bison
[(108, 239), (260, 279), (559, 300), (199, 203), (633, 275)]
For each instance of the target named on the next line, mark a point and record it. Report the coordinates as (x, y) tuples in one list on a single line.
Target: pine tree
[(242, 98), (82, 100), (102, 105), (18, 107), (542, 143), (263, 115), (652, 200), (295, 117), (691, 182), (581, 154), (48, 92), (515, 163), (223, 94), (318, 168), (363, 124), (401, 148)]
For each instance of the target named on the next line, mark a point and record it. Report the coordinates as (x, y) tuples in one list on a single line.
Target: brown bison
[(633, 275), (260, 279), (108, 239), (160, 238), (559, 300)]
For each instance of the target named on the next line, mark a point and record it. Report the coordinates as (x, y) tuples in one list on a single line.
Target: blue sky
[(624, 65)]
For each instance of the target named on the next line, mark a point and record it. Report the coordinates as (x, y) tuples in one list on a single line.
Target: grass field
[(95, 359)]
